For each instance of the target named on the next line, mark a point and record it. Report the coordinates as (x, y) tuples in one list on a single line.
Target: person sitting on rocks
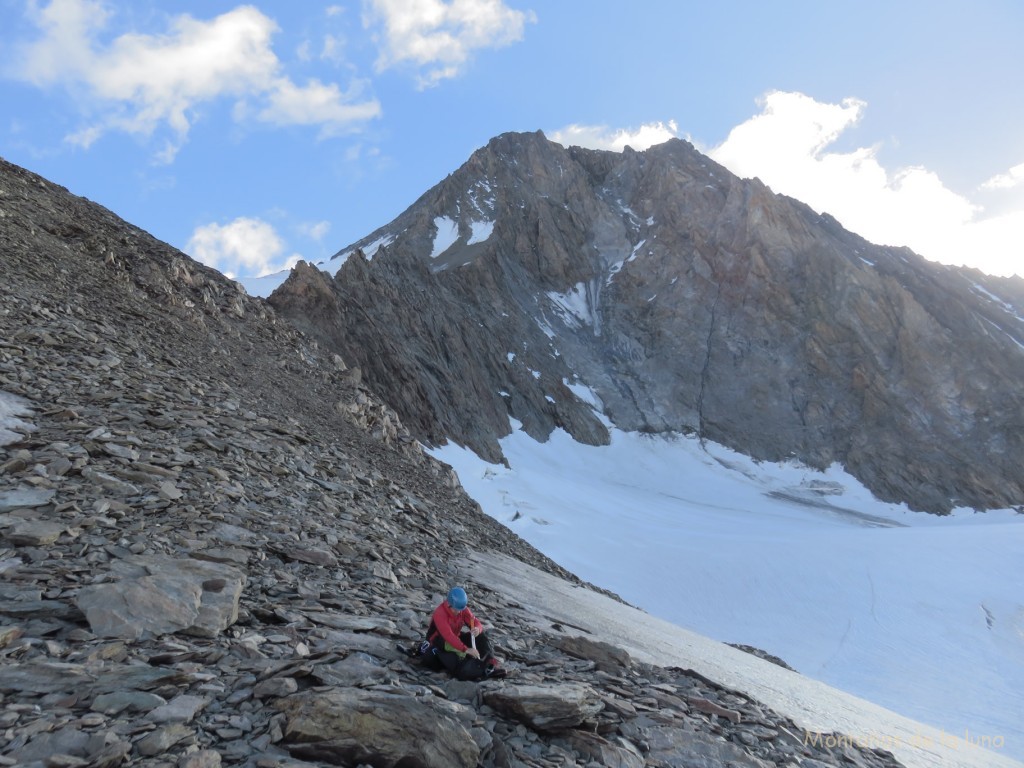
[(458, 642)]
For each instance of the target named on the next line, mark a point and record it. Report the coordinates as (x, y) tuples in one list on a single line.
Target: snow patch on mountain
[(369, 251), (1006, 306), (573, 306), (481, 231), (636, 250), (446, 236)]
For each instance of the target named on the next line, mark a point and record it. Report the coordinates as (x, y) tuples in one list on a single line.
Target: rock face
[(544, 283)]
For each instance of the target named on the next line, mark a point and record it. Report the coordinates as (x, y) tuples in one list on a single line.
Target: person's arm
[(475, 625), (444, 626)]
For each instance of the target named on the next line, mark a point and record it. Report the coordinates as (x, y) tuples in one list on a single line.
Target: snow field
[(920, 614)]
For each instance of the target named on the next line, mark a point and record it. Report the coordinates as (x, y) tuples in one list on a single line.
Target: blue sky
[(252, 135)]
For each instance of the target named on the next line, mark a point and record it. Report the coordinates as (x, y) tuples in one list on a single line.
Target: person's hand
[(473, 652), (477, 630)]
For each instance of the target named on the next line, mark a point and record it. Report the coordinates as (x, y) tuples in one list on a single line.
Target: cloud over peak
[(615, 139)]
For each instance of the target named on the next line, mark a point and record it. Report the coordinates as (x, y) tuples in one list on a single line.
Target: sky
[(920, 614), (250, 136)]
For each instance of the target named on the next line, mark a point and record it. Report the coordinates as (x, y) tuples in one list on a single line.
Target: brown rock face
[(685, 299)]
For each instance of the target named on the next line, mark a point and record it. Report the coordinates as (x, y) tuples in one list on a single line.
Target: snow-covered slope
[(822, 714), (919, 614)]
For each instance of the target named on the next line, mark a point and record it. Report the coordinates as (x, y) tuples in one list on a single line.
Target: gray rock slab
[(606, 753), (40, 609), (348, 727), (275, 687), (162, 739), (191, 596), (355, 670), (66, 741), (356, 641), (353, 623), (180, 709), (44, 677), (23, 498), (549, 707), (204, 758), (126, 701), (33, 533)]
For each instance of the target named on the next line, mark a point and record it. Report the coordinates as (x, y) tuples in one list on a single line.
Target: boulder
[(606, 656), (160, 596), (546, 708), (349, 727)]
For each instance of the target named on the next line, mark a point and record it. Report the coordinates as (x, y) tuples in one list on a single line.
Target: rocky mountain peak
[(212, 537), (654, 290)]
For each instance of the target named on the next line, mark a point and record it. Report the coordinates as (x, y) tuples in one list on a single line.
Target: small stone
[(179, 710), (275, 687), (64, 761), (206, 758), (169, 491), (130, 701), (162, 739), (9, 634)]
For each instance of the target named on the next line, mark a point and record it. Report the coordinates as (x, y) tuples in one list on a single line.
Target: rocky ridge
[(562, 286), (212, 537)]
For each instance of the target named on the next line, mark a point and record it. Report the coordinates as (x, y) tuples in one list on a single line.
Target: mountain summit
[(656, 291)]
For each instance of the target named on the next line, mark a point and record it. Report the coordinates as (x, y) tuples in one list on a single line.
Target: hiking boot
[(494, 672)]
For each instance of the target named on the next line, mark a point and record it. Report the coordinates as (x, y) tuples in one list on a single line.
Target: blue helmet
[(457, 598)]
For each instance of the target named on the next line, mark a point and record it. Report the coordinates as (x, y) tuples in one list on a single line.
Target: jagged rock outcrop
[(539, 283), (172, 441)]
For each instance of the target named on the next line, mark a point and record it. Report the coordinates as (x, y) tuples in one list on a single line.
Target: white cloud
[(1012, 178), (315, 230), (440, 36), (245, 247), (788, 145), (142, 82), (315, 103), (615, 139)]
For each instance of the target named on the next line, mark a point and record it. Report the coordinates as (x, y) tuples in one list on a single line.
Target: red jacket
[(450, 624)]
